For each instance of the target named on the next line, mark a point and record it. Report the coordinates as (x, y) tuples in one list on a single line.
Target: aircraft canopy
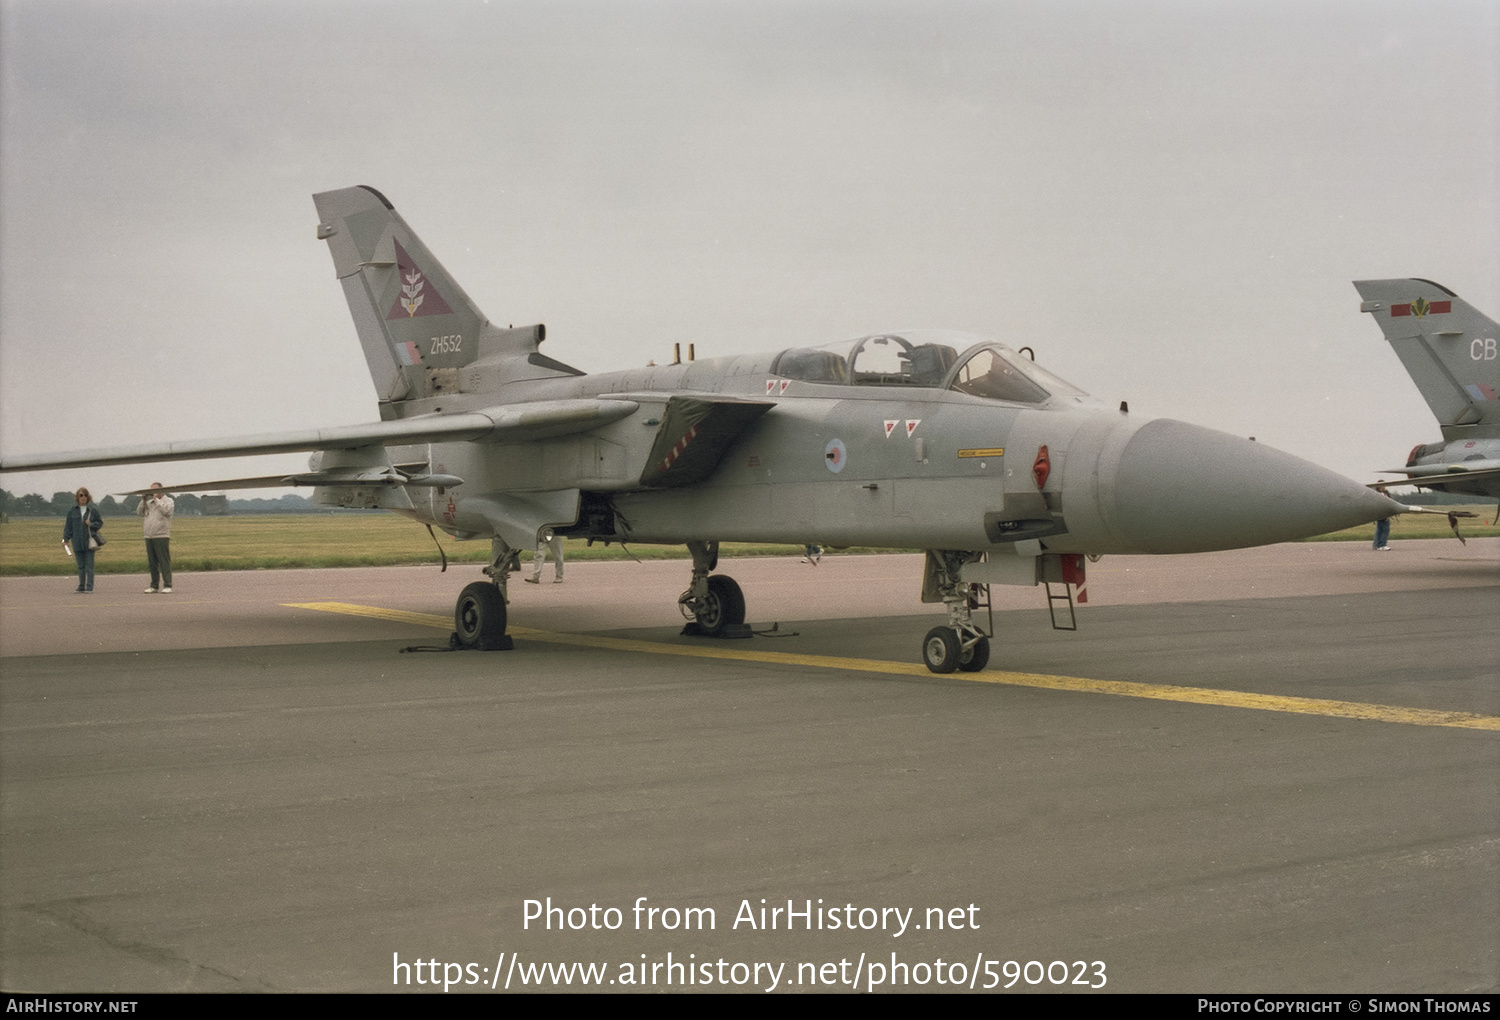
[(928, 358)]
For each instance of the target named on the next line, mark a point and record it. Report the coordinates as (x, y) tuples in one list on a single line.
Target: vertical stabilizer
[(415, 323), (1447, 346)]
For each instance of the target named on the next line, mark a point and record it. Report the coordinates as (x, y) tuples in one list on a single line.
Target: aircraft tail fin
[(422, 335), (1447, 345)]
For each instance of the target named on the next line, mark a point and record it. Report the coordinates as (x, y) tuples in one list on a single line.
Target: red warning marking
[(784, 384), (1041, 467), (1073, 573), (911, 425), (677, 450), (770, 386), (890, 426)]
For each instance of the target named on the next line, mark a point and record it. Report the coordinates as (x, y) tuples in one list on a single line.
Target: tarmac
[(1269, 770)]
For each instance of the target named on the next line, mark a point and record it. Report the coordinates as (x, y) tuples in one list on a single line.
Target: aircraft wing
[(512, 423), (1448, 475), (695, 432), (263, 482), (415, 474)]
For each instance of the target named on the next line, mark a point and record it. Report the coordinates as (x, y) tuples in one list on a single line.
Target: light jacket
[(158, 516)]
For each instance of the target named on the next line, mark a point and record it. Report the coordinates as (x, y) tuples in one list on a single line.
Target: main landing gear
[(713, 604), (479, 616), (961, 645)]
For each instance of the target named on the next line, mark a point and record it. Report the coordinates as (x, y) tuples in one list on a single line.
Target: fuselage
[(1451, 460), (869, 460)]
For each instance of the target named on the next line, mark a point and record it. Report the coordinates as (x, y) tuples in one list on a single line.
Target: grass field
[(34, 546), (1411, 526)]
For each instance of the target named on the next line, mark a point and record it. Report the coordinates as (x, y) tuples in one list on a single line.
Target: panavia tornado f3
[(942, 441), (1448, 349)]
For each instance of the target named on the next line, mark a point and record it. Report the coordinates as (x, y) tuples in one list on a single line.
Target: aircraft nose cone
[(1182, 488)]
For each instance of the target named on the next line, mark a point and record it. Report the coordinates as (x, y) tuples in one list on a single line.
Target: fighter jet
[(947, 442), (1449, 350)]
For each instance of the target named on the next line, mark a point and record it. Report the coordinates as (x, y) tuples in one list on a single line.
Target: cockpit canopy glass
[(926, 358), (988, 373)]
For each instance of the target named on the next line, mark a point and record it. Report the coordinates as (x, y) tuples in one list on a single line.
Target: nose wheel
[(962, 644), (945, 650)]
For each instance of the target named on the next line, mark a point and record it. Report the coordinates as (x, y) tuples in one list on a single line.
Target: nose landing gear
[(961, 645), (946, 649)]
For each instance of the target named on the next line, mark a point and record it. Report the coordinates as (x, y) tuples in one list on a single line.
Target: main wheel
[(479, 618), (941, 650), (976, 658), (724, 606)]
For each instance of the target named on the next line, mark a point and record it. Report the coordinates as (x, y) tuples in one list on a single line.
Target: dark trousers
[(159, 557), (85, 558)]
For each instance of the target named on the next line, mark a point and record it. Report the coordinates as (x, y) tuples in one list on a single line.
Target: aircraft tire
[(479, 618), (975, 658), (941, 650), (724, 607)]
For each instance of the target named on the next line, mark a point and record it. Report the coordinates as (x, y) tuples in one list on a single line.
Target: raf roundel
[(835, 455)]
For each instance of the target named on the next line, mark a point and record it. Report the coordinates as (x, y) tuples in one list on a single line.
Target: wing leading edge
[(497, 425)]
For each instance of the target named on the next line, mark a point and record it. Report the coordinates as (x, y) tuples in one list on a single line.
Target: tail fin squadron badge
[(417, 296), (1422, 307)]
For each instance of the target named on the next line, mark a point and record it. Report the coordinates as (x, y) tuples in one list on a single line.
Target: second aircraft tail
[(1447, 345)]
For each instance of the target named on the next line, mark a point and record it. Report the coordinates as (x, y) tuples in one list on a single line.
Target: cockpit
[(927, 358)]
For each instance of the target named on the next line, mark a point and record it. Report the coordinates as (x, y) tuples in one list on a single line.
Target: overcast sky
[(1168, 201)]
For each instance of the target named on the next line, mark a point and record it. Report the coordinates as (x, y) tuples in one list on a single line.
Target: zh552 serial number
[(447, 344)]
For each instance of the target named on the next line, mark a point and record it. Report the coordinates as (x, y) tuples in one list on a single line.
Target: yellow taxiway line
[(1160, 692)]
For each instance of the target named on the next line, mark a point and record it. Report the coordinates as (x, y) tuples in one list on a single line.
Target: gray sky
[(1166, 200)]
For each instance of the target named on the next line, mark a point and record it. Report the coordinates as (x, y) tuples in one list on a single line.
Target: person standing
[(553, 542), (81, 533), (156, 508), (1383, 535)]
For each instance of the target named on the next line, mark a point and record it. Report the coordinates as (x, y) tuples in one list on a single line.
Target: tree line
[(33, 505)]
